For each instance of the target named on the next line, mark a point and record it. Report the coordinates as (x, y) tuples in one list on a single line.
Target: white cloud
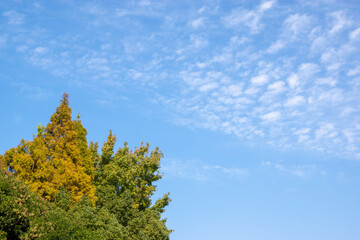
[(354, 35), (252, 91), (14, 17), (198, 41), (202, 9), (190, 169), (319, 44), (94, 9), (350, 135), (315, 80), (302, 131), (235, 41), (197, 170), (277, 87), (330, 96), (295, 101), (145, 3), (207, 87), (293, 80), (340, 21), (134, 74), (197, 23), (266, 5), (329, 56), (296, 24), (276, 46), (201, 64), (334, 57), (249, 18), (40, 50), (271, 116), (229, 171), (302, 171), (354, 71), (260, 79), (203, 82), (223, 58), (326, 130), (122, 12), (233, 90), (238, 17), (308, 70), (327, 81), (33, 92), (347, 111)]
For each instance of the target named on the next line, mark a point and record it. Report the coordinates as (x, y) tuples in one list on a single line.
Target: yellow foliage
[(58, 156)]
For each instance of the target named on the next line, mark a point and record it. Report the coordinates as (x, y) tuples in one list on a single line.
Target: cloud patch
[(14, 17)]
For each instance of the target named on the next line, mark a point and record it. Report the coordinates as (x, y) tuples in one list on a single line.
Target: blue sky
[(255, 104)]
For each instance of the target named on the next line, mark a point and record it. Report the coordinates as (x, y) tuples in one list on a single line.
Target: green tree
[(125, 185), (19, 209), (135, 171), (25, 215)]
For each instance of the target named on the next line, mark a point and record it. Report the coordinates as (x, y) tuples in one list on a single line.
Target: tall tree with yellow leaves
[(58, 156), (61, 167)]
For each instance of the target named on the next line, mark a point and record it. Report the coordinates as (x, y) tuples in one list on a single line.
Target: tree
[(81, 194), (125, 184), (25, 215), (133, 171), (58, 156), (19, 208)]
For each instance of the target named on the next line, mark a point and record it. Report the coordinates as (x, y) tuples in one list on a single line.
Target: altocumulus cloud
[(286, 75)]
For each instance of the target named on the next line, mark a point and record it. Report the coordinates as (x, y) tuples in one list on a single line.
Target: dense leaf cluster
[(59, 187)]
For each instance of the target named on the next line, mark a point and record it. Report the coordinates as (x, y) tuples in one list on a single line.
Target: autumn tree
[(58, 156), (85, 194)]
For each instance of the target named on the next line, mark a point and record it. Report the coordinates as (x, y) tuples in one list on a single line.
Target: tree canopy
[(61, 187)]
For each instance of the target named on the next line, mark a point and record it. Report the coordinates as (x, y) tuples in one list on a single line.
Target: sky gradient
[(255, 104)]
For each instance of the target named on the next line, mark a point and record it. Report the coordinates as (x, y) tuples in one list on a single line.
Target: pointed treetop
[(61, 117), (108, 149), (65, 99)]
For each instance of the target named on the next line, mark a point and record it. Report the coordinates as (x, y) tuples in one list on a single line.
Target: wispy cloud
[(355, 35), (260, 79), (199, 171), (32, 92), (249, 18), (276, 46), (261, 72), (199, 22), (271, 116), (234, 172), (296, 24), (295, 101), (301, 171), (340, 21), (14, 18)]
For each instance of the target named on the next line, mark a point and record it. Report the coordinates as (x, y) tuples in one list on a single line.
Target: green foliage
[(19, 209), (134, 171), (146, 225), (125, 186), (59, 187), (63, 199), (81, 222)]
